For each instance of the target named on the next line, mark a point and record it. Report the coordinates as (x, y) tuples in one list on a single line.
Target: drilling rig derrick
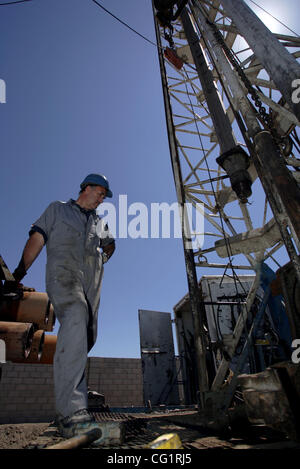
[(233, 119)]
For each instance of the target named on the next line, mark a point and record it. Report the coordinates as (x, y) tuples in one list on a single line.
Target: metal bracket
[(151, 351)]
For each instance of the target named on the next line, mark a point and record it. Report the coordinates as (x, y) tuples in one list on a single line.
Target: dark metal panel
[(158, 359)]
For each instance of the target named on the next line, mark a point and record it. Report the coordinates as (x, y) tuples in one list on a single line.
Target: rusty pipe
[(36, 349), (48, 349), (79, 440), (51, 318), (33, 307), (37, 345), (18, 338)]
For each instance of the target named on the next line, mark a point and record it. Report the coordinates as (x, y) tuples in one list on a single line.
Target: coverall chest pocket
[(67, 235)]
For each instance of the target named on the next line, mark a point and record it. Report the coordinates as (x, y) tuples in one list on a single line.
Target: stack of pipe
[(23, 326)]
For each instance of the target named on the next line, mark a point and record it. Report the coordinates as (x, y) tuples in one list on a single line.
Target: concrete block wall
[(26, 390), (26, 393), (119, 379)]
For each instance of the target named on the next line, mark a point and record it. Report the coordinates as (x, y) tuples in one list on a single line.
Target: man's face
[(96, 195)]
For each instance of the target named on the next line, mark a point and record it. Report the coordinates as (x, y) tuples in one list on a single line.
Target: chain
[(169, 36), (265, 117)]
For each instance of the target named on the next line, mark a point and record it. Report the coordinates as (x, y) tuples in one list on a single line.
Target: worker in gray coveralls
[(78, 244)]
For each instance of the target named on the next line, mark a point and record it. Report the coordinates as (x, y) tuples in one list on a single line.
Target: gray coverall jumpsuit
[(73, 282)]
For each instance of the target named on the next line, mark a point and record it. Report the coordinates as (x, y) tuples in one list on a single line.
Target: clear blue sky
[(84, 95)]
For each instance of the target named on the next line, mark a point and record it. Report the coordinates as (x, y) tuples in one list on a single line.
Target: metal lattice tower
[(233, 92)]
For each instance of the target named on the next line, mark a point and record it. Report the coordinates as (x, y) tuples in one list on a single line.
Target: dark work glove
[(11, 290), (20, 271), (10, 286), (15, 287)]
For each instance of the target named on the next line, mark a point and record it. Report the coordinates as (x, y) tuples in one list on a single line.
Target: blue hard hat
[(98, 180)]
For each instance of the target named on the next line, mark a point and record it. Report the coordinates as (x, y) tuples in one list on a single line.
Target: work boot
[(82, 422), (80, 416), (66, 425)]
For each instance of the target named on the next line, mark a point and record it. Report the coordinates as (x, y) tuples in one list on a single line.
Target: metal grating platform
[(137, 431), (143, 428)]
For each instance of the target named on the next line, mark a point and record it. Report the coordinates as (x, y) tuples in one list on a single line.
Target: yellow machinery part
[(166, 441)]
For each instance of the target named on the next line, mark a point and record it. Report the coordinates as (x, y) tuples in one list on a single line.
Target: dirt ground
[(42, 435), (19, 436)]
